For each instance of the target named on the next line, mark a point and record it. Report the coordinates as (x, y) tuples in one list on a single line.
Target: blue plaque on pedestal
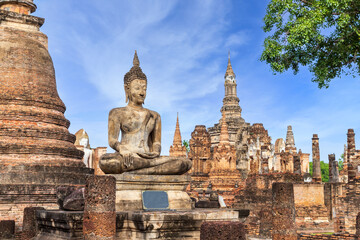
[(155, 200)]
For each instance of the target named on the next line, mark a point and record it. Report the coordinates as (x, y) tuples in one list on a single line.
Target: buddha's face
[(137, 91)]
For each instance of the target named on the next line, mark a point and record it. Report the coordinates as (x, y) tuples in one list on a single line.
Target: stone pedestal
[(129, 188), (60, 225)]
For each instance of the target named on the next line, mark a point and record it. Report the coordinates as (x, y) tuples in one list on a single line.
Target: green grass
[(326, 233)]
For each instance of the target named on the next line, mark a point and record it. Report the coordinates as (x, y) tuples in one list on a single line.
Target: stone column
[(29, 230), (333, 169), (350, 153), (316, 159), (297, 164), (99, 214), (283, 211)]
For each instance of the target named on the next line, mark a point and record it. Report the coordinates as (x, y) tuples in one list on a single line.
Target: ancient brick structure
[(222, 231), (224, 175), (316, 159), (200, 156), (333, 169), (22, 7), (99, 213), (177, 149), (347, 206), (351, 158), (290, 141), (257, 197), (283, 212), (37, 152), (236, 124), (260, 149), (285, 153)]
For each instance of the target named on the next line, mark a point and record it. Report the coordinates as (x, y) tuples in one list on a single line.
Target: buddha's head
[(135, 83)]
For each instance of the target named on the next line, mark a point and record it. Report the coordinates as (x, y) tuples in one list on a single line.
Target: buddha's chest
[(138, 120)]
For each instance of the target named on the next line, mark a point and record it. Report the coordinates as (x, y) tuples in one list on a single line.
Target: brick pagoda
[(37, 152)]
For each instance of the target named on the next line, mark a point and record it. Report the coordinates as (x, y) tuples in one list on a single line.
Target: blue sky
[(183, 47)]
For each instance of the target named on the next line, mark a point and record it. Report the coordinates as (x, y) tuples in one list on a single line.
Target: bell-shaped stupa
[(37, 152)]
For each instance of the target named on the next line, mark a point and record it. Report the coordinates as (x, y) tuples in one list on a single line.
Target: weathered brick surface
[(257, 197), (7, 229), (316, 159), (283, 212), (37, 153), (99, 213), (347, 207), (29, 223), (327, 237), (222, 231)]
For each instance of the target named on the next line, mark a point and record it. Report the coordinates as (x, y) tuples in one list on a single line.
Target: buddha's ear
[(126, 93)]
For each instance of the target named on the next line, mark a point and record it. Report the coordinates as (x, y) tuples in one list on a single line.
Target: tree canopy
[(321, 34)]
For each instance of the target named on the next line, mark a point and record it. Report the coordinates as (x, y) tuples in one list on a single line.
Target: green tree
[(321, 34), (186, 144), (341, 162), (324, 171)]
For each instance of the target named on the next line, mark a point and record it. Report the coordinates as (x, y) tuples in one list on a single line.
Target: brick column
[(333, 169), (283, 211), (29, 223), (350, 153), (99, 214), (316, 159)]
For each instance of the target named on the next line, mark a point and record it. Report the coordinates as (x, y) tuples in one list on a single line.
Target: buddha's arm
[(154, 139), (114, 130), (156, 135)]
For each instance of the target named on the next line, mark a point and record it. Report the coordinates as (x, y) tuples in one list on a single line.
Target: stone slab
[(129, 188)]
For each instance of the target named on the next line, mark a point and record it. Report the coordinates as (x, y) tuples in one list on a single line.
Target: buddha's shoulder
[(155, 114), (116, 111)]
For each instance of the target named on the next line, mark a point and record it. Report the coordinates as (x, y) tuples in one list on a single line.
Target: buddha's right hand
[(128, 159)]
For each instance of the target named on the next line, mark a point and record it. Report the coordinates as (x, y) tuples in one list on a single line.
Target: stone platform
[(56, 225), (129, 188)]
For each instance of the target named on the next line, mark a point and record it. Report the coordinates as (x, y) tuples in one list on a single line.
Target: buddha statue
[(138, 152), (82, 143)]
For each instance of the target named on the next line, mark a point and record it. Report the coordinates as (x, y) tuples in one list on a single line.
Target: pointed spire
[(229, 70), (224, 133), (177, 135), (136, 61), (290, 142)]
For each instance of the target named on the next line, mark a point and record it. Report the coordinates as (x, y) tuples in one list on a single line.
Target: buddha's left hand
[(149, 155)]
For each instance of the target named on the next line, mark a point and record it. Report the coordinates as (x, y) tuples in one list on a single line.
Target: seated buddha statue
[(138, 151)]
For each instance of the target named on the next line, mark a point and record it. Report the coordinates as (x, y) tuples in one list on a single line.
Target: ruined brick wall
[(347, 207), (327, 237), (15, 198), (257, 197)]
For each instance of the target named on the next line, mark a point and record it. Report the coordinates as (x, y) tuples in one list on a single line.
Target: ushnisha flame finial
[(136, 61), (135, 72)]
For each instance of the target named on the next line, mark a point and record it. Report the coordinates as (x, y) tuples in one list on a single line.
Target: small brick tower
[(290, 141), (37, 152), (177, 149)]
